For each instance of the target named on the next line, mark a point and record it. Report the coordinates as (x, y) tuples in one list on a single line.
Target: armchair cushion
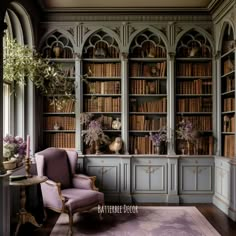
[(82, 182), (81, 198)]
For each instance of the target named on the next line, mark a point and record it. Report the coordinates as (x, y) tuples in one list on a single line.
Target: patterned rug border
[(197, 217)]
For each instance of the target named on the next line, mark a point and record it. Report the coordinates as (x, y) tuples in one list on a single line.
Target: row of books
[(148, 69), (60, 140), (229, 146), (202, 51), (199, 104), (137, 122), (102, 51), (63, 53), (55, 105), (102, 104), (229, 124), (61, 122), (68, 71), (103, 87), (200, 146), (147, 87), (194, 87), (159, 105), (141, 145), (148, 51), (228, 84), (102, 69), (194, 69), (229, 104), (200, 123)]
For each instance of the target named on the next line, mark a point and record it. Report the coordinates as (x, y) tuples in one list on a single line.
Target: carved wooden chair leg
[(70, 223)]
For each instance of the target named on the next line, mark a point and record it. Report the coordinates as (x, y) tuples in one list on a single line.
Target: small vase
[(158, 150), (182, 151)]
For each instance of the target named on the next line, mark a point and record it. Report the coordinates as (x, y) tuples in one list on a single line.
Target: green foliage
[(22, 63)]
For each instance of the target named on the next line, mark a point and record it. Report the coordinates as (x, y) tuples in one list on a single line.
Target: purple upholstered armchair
[(65, 191)]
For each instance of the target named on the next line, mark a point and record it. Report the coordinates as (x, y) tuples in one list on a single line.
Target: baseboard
[(232, 214), (191, 198), (223, 206)]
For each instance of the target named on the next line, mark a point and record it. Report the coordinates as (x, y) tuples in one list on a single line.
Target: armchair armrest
[(84, 182), (52, 197)]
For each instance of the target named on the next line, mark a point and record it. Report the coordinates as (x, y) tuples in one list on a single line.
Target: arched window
[(18, 28)]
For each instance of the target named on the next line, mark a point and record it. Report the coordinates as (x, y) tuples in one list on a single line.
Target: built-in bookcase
[(59, 111), (147, 91), (228, 93), (194, 90), (102, 85)]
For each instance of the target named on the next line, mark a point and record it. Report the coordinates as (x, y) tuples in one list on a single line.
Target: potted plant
[(14, 150), (158, 138), (93, 133), (21, 63)]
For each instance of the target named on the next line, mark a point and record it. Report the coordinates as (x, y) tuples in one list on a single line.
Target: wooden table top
[(29, 181)]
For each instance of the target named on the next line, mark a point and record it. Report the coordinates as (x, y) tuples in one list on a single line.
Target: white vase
[(158, 150)]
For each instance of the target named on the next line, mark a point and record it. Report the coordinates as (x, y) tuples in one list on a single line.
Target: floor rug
[(146, 221)]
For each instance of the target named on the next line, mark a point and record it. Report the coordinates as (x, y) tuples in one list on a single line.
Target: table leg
[(24, 216)]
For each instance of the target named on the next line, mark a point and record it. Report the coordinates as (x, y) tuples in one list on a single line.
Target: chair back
[(54, 163)]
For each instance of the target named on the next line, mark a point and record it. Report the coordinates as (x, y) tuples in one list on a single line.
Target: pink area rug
[(148, 221)]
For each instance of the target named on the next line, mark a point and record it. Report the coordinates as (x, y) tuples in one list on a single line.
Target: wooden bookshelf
[(102, 88), (193, 89), (147, 91), (228, 93), (58, 110)]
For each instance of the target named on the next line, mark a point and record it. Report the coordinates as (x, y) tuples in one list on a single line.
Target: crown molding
[(65, 17)]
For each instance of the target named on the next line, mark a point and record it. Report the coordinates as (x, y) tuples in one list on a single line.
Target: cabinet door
[(189, 177), (107, 173), (149, 177), (204, 178)]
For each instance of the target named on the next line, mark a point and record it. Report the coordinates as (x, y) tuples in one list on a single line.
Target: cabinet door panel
[(204, 178), (157, 180), (142, 178), (225, 184), (218, 181), (107, 177), (188, 178)]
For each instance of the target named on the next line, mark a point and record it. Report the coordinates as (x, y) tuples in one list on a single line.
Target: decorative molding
[(63, 17), (217, 55), (125, 55)]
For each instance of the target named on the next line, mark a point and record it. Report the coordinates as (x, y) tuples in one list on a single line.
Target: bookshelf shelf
[(228, 93), (59, 131), (193, 89)]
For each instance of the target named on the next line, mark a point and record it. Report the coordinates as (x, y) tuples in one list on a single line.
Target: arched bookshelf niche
[(102, 89), (194, 95), (58, 109), (147, 91)]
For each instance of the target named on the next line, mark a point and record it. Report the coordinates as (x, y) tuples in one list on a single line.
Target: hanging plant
[(22, 63)]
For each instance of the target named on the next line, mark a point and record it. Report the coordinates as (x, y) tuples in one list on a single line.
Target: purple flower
[(158, 137), (185, 130)]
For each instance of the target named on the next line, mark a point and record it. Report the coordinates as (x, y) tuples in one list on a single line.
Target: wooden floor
[(217, 218)]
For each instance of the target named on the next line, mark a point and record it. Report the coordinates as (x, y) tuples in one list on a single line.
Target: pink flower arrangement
[(13, 147)]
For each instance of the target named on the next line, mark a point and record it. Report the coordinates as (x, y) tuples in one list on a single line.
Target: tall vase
[(158, 150), (188, 147), (97, 147)]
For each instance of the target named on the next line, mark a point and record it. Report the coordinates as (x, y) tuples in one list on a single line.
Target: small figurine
[(116, 124), (116, 145)]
